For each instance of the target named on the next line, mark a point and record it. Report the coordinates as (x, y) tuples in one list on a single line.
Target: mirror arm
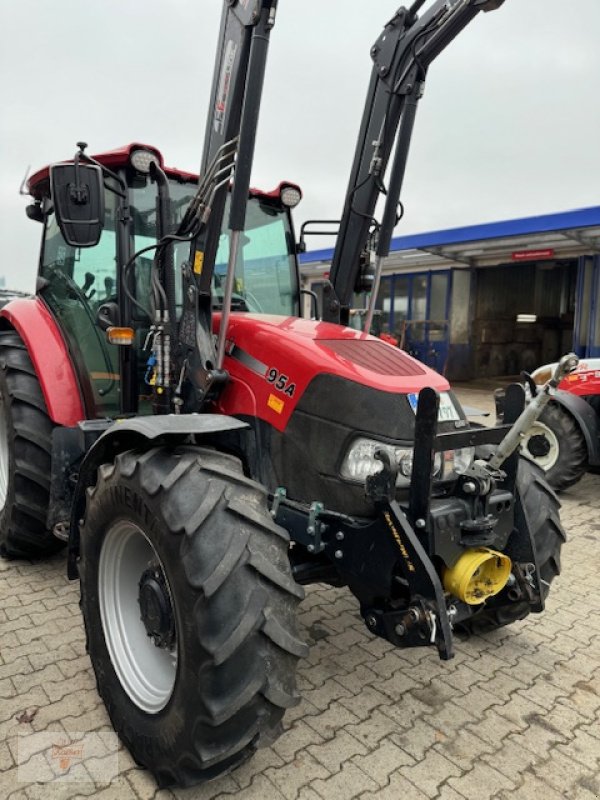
[(105, 170)]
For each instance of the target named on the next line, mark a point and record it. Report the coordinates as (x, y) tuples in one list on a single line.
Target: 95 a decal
[(280, 381)]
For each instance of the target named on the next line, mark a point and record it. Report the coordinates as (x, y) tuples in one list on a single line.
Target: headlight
[(360, 461), (462, 459)]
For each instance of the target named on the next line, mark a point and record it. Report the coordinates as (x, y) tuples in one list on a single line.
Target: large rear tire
[(25, 455), (538, 503), (203, 668), (556, 444)]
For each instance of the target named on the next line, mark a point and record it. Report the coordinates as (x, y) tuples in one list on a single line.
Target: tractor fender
[(586, 418), (128, 434), (49, 354)]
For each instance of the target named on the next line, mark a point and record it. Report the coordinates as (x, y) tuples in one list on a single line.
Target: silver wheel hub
[(137, 617), (547, 457)]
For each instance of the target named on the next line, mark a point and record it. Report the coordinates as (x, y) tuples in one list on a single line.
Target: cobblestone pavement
[(515, 714)]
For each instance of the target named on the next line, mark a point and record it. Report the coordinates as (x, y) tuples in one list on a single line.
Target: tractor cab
[(89, 289)]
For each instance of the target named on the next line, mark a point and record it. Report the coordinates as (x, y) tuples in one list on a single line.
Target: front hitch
[(482, 517), (425, 620)]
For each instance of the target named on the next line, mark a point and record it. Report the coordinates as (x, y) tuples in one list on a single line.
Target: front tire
[(537, 502), (192, 700), (25, 456), (556, 444)]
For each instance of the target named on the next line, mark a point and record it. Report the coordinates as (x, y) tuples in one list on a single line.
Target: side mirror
[(78, 197), (107, 316), (34, 212)]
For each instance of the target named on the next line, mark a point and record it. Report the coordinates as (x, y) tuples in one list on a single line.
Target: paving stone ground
[(515, 714)]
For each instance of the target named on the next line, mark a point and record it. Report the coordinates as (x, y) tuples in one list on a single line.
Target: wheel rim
[(549, 460), (4, 453), (146, 672)]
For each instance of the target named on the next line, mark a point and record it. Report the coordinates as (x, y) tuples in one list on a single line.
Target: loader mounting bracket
[(423, 583)]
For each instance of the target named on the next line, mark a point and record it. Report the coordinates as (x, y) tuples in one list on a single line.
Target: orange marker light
[(121, 336)]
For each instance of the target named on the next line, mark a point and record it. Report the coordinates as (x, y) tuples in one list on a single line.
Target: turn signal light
[(121, 336), (478, 574)]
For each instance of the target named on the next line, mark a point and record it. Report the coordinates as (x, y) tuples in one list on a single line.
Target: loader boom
[(401, 57), (226, 161)]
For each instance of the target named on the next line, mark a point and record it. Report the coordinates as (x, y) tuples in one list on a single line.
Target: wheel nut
[(400, 630), (371, 621), (339, 553)]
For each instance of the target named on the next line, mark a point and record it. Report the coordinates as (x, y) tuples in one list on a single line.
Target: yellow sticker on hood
[(275, 403)]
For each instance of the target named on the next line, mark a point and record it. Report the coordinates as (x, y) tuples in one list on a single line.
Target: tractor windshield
[(265, 274)]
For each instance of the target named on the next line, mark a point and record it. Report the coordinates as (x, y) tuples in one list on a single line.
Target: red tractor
[(565, 440), (205, 451)]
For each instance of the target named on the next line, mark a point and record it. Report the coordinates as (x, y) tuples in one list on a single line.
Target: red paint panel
[(120, 157), (585, 381), (295, 351), (48, 352)]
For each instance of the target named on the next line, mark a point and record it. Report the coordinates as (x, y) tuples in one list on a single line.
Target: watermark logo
[(66, 754), (76, 757)]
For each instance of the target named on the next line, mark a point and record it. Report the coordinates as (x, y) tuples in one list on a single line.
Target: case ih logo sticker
[(224, 85)]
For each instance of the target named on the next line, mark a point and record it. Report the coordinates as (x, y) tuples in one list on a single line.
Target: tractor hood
[(310, 389), (278, 357)]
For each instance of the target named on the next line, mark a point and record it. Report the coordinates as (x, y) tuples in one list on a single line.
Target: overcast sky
[(509, 125)]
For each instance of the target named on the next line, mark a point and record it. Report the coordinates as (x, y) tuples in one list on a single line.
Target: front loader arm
[(226, 161), (401, 57)]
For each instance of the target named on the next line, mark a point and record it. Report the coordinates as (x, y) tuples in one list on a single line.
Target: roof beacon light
[(290, 196), (141, 160)]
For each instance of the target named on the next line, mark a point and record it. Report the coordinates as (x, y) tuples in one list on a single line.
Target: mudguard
[(587, 420), (110, 438), (50, 357)]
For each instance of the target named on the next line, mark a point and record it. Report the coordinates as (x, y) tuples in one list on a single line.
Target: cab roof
[(37, 184)]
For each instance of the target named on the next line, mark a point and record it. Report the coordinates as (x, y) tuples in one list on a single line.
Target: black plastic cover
[(78, 197)]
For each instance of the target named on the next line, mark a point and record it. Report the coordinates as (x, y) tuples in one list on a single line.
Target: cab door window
[(79, 281)]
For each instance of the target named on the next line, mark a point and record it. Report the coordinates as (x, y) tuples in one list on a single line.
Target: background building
[(492, 299)]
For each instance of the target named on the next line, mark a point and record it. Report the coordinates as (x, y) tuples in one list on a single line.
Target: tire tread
[(23, 532), (234, 559)]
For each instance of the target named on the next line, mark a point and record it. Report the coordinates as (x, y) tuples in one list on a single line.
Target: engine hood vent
[(373, 354)]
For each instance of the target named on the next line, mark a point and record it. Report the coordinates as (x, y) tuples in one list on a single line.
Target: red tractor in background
[(565, 440), (205, 451)]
